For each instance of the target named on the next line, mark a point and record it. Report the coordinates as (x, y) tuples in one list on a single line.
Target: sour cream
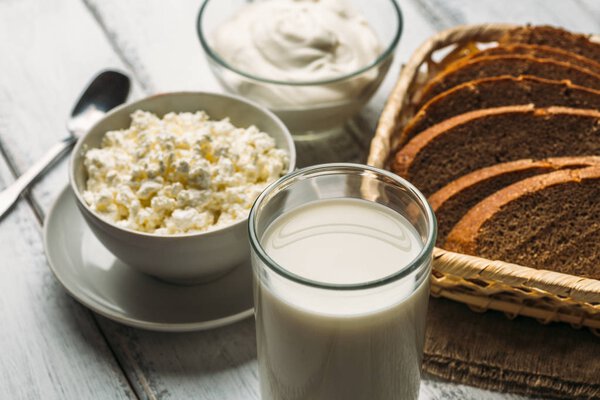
[(297, 40)]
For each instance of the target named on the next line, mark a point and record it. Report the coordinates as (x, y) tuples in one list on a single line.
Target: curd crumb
[(183, 173)]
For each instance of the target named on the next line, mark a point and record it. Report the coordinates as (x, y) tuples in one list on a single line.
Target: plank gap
[(438, 14), (26, 195), (139, 75), (131, 384), (9, 161), (35, 207)]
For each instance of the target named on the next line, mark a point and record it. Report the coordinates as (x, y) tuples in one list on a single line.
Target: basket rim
[(556, 284)]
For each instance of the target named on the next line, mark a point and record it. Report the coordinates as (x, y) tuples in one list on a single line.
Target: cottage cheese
[(183, 173), (298, 40)]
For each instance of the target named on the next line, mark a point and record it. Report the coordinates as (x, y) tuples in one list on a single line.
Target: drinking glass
[(357, 340)]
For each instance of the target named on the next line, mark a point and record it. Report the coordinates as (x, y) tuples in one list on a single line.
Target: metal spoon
[(106, 91)]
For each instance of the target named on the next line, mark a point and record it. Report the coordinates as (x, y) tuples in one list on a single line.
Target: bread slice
[(481, 138), (498, 92), (539, 51), (454, 200), (549, 221), (554, 37), (513, 65)]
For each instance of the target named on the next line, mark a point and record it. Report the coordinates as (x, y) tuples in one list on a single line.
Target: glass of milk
[(341, 256)]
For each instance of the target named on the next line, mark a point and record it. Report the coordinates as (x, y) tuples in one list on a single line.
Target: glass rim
[(379, 60), (418, 262)]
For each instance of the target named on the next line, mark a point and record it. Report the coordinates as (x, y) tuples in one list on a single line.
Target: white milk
[(331, 344)]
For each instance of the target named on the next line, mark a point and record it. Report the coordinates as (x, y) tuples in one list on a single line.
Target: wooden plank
[(51, 345), (579, 16), (159, 43), (215, 364)]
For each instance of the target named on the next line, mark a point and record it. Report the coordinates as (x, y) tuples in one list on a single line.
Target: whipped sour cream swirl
[(297, 40)]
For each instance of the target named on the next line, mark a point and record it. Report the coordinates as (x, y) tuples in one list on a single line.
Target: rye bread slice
[(454, 200), (477, 139), (549, 221), (498, 92), (554, 37), (512, 65), (540, 51)]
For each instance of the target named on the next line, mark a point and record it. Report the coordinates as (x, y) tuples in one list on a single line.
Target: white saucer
[(93, 276)]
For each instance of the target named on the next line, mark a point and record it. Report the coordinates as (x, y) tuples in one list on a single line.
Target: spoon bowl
[(106, 91)]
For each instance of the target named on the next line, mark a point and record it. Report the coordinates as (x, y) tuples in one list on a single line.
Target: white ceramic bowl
[(185, 258)]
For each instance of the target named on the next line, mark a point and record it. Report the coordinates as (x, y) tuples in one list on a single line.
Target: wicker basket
[(480, 283)]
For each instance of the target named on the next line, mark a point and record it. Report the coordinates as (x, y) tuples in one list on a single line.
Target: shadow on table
[(349, 144), (193, 354)]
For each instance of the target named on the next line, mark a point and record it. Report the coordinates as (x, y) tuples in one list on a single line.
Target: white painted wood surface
[(52, 347)]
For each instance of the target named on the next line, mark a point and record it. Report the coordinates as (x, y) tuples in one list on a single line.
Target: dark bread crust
[(554, 37), (481, 138), (513, 65), (455, 199), (497, 92), (513, 224), (540, 51)]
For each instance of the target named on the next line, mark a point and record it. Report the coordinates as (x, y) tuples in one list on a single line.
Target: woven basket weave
[(480, 283)]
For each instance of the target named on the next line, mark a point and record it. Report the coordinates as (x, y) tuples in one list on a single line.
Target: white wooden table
[(51, 346)]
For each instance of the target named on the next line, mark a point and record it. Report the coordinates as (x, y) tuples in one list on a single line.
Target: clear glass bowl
[(294, 102)]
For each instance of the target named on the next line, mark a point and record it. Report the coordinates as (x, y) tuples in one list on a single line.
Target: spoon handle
[(9, 195)]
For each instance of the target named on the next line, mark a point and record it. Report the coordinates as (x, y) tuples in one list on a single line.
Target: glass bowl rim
[(380, 58)]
